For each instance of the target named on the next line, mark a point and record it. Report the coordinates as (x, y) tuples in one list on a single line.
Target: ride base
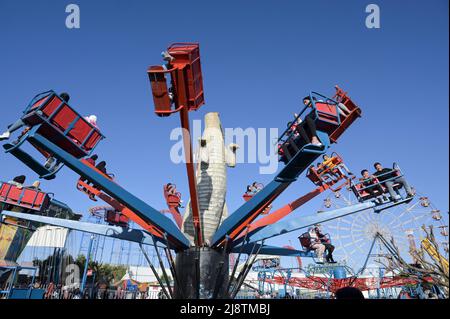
[(202, 274)]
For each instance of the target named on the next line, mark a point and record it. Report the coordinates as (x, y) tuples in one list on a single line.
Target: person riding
[(92, 119), (36, 185), (19, 123), (371, 184), (102, 167), (388, 177), (329, 162), (316, 244), (18, 181), (309, 124), (326, 174), (329, 248)]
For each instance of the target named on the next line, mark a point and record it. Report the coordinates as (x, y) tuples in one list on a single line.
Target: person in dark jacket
[(388, 177)]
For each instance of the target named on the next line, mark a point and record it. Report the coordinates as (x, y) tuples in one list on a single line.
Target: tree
[(430, 268)]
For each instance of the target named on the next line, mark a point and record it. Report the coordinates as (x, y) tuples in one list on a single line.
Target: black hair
[(101, 165), (323, 156), (377, 163), (94, 157), (363, 171), (65, 96), (349, 293), (20, 179)]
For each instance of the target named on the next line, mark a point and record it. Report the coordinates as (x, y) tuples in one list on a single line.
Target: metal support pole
[(154, 271), (236, 264), (88, 257), (163, 269), (184, 117), (158, 278), (245, 270)]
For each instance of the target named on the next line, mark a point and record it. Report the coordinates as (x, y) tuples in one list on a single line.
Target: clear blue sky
[(258, 58)]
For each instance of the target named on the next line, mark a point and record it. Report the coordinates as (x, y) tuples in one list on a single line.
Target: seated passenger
[(102, 167), (309, 125), (36, 186), (92, 119), (18, 181), (369, 181), (171, 189), (386, 173), (329, 248), (328, 161), (316, 244), (91, 160), (328, 176), (342, 109), (19, 123)]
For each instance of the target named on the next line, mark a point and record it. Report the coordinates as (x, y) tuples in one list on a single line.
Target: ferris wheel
[(354, 234)]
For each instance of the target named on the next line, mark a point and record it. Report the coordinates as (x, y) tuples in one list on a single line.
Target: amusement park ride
[(200, 268)]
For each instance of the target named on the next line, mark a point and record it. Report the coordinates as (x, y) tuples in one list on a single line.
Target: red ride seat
[(62, 125), (26, 198)]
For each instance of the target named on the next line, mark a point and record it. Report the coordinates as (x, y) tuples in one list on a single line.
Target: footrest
[(29, 161)]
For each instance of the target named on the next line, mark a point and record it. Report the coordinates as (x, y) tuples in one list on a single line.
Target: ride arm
[(143, 210), (128, 234)]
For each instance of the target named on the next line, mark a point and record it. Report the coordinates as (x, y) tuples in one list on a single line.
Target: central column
[(203, 273)]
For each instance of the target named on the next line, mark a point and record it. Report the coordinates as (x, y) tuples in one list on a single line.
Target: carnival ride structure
[(200, 269)]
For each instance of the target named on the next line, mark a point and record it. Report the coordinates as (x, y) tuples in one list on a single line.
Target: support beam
[(273, 250), (288, 226), (249, 211), (128, 234), (143, 210)]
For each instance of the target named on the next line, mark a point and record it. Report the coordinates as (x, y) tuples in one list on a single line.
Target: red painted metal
[(173, 201), (332, 284), (116, 218), (24, 197), (355, 112), (93, 193), (63, 125), (185, 94), (319, 178)]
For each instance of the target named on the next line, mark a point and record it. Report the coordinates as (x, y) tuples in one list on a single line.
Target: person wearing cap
[(92, 119), (387, 177), (19, 123)]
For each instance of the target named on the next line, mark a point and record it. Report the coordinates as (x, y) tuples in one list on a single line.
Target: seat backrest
[(305, 240)]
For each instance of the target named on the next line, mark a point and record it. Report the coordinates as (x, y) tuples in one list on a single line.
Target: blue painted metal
[(143, 210), (287, 226), (273, 250), (127, 234), (301, 161), (86, 264)]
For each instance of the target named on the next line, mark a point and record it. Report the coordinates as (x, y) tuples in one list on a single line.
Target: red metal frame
[(355, 112), (116, 218), (61, 124), (187, 89), (173, 202), (93, 192), (24, 197), (363, 195), (318, 178)]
